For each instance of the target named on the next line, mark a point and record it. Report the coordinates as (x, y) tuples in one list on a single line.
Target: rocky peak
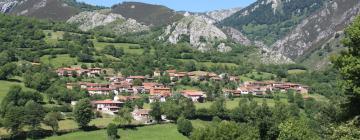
[(318, 28), (89, 20), (199, 31), (7, 5)]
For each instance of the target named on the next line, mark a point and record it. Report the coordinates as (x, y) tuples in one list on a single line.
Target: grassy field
[(208, 64), (5, 86), (231, 104), (154, 132), (55, 36), (260, 75), (296, 71), (59, 61), (125, 46)]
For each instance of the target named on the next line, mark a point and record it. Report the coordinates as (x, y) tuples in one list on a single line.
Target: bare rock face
[(317, 29), (199, 31), (223, 48), (237, 36), (117, 23), (7, 5), (89, 20)]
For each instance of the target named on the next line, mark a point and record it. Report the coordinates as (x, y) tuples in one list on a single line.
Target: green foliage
[(218, 108), (7, 70), (13, 119), (156, 111), (83, 112), (348, 65), (267, 24), (123, 117), (112, 131), (52, 120), (184, 126), (34, 114), (296, 129)]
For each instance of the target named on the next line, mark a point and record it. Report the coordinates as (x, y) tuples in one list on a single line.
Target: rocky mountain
[(148, 14), (105, 20), (197, 31), (215, 16), (45, 9), (316, 30), (269, 20)]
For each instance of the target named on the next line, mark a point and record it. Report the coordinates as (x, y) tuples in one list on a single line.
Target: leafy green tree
[(190, 66), (83, 112), (137, 82), (7, 70), (187, 107), (34, 114), (299, 100), (13, 119), (156, 111), (165, 79), (296, 129), (218, 108), (172, 110), (112, 131), (184, 126), (348, 65), (123, 117), (290, 96), (52, 120), (242, 112)]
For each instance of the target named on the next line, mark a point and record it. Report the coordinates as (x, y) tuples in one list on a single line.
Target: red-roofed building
[(126, 98), (194, 95), (99, 91), (107, 106)]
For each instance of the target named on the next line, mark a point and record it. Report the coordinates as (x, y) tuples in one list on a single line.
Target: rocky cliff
[(118, 24), (199, 32), (317, 29)]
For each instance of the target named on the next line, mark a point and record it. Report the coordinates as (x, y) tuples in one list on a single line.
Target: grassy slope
[(5, 86), (154, 132), (125, 46), (59, 61)]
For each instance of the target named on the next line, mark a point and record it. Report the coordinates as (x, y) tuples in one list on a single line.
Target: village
[(125, 89)]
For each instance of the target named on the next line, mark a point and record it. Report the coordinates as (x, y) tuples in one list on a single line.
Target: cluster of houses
[(159, 92), (262, 88), (68, 72)]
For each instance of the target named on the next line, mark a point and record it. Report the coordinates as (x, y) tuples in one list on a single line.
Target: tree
[(124, 117), (13, 119), (184, 126), (156, 111), (190, 66), (52, 120), (187, 107), (112, 131), (296, 129), (83, 112), (34, 114), (7, 70), (172, 110), (137, 82), (348, 65), (299, 100), (218, 108), (165, 79), (290, 95)]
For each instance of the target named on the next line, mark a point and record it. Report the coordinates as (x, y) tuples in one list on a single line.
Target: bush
[(184, 126)]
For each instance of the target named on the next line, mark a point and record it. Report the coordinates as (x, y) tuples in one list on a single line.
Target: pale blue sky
[(183, 5)]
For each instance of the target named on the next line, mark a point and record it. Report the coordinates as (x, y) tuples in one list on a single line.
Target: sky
[(183, 5)]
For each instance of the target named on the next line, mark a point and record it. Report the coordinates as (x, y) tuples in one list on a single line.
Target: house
[(159, 94), (157, 73), (194, 95), (100, 91), (107, 106), (126, 98), (243, 90), (69, 72), (142, 115), (131, 78)]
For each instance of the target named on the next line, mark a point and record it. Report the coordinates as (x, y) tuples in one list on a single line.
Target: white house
[(107, 106), (194, 95)]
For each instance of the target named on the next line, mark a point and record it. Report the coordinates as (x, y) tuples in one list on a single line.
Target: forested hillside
[(269, 20)]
